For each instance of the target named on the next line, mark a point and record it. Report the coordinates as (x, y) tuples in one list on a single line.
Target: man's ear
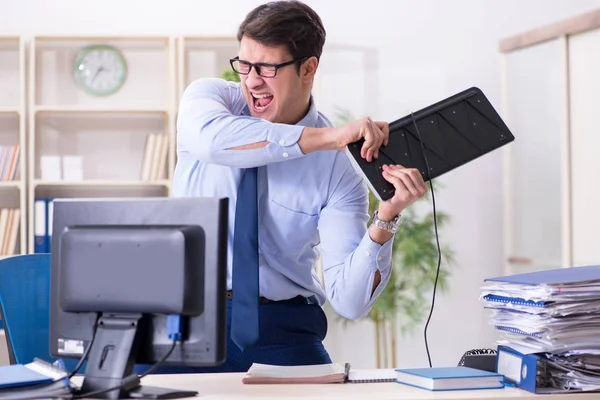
[(309, 69)]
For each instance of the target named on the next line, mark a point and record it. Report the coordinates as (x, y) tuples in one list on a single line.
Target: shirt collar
[(312, 116), (310, 119)]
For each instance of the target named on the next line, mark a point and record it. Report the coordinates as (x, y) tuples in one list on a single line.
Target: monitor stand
[(112, 358)]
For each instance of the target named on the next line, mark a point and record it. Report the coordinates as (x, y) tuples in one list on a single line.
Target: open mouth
[(261, 101)]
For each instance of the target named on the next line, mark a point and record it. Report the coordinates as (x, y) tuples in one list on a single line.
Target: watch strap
[(390, 226)]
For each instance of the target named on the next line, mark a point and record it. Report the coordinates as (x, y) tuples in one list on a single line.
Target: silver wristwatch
[(389, 226)]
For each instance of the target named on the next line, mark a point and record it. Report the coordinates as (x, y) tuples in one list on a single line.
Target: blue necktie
[(245, 302)]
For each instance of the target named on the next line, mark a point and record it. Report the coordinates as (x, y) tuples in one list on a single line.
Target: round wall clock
[(100, 69)]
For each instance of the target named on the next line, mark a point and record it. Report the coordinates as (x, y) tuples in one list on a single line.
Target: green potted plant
[(406, 300), (230, 75)]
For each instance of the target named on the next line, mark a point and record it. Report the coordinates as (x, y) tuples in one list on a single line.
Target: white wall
[(427, 49)]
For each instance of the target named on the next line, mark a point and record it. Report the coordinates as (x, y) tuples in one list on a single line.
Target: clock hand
[(96, 74)]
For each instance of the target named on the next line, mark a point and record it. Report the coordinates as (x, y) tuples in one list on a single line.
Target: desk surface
[(230, 386)]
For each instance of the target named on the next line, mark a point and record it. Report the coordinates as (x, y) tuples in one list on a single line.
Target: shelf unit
[(203, 57), (13, 133), (44, 110), (109, 135)]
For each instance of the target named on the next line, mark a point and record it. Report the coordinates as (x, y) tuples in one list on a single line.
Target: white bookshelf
[(12, 143), (203, 57), (107, 134)]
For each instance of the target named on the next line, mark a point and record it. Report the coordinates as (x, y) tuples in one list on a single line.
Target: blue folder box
[(526, 371)]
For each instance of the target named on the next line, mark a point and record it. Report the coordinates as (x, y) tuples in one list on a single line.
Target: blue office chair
[(25, 312), (25, 308)]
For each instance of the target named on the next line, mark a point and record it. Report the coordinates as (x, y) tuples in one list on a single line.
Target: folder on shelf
[(154, 161), (450, 133), (43, 209), (9, 157), (4, 227), (10, 219)]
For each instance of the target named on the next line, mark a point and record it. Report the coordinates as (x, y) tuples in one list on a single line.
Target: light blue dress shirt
[(305, 201)]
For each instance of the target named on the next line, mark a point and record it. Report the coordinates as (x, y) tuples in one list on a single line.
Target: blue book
[(450, 378)]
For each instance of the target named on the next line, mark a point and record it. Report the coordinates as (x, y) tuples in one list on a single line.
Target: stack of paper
[(555, 313)]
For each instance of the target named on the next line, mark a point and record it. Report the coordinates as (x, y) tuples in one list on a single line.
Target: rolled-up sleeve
[(350, 257), (209, 126)]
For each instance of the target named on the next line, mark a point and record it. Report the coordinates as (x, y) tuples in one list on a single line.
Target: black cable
[(161, 362), (132, 380), (87, 351), (437, 274)]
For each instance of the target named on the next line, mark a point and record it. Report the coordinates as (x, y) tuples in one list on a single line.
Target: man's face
[(277, 99)]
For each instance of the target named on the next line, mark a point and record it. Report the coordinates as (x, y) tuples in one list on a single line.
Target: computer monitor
[(134, 265)]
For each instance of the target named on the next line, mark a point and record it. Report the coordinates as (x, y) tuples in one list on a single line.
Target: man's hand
[(375, 134), (409, 187)]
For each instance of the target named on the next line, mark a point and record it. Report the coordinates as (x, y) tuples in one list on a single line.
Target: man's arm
[(357, 262), (210, 127)]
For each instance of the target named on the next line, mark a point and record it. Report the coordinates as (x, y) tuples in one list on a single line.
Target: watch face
[(100, 70)]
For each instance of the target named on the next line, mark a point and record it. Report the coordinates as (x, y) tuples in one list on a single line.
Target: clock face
[(100, 70)]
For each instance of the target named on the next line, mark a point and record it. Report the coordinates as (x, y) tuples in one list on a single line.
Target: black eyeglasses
[(265, 70)]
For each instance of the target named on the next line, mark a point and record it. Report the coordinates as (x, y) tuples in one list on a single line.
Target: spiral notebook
[(371, 375)]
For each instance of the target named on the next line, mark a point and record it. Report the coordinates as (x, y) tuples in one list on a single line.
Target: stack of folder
[(550, 326), (35, 380)]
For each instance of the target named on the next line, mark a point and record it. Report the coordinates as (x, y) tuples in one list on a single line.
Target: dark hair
[(290, 23)]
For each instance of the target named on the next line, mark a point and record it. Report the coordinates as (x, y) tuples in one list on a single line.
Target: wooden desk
[(230, 387)]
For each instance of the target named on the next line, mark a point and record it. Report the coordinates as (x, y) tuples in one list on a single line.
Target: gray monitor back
[(71, 332)]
